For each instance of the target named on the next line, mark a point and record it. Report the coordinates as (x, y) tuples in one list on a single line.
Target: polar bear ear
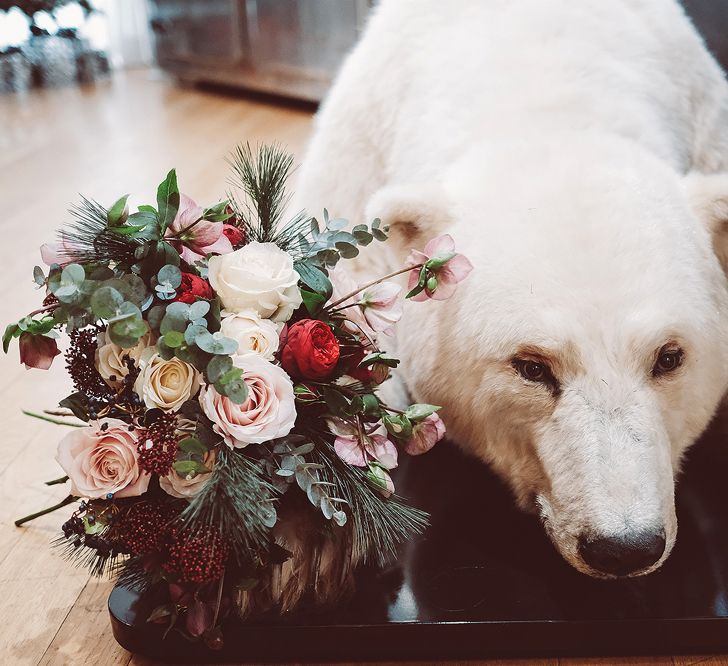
[(415, 213), (708, 196)]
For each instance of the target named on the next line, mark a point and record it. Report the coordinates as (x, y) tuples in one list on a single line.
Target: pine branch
[(380, 524), (236, 502), (88, 240)]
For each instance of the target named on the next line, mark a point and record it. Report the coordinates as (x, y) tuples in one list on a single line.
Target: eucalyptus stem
[(42, 417), (407, 269), (64, 502)]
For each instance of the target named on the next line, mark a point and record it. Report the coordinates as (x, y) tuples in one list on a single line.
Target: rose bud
[(234, 234), (37, 351), (193, 287), (311, 350)]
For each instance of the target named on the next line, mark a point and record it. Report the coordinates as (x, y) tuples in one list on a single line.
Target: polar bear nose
[(624, 554)]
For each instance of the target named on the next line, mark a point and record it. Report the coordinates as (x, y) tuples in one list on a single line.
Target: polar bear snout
[(623, 554)]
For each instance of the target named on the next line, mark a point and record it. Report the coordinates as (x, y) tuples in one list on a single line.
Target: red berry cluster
[(158, 445), (143, 527), (197, 558)]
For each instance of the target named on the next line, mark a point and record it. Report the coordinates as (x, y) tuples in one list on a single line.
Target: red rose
[(37, 351), (311, 350), (234, 234), (192, 288)]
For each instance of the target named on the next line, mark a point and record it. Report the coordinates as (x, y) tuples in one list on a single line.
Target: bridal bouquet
[(226, 440)]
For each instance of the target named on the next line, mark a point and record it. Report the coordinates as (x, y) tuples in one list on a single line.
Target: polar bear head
[(589, 347)]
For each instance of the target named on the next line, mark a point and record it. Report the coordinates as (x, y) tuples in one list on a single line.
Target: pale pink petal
[(206, 233), (440, 246), (221, 246), (425, 435), (444, 290), (350, 450), (457, 269), (52, 253), (415, 257), (383, 451), (382, 295)]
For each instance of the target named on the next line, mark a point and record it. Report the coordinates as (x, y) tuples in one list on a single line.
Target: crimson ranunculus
[(37, 351), (234, 234), (311, 350), (192, 288)]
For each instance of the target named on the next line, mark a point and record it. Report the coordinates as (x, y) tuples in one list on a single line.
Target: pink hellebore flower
[(198, 239), (382, 307), (352, 450), (344, 284), (37, 351), (455, 270), (57, 253), (425, 435)]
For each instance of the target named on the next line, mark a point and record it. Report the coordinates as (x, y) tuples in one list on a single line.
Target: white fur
[(553, 141)]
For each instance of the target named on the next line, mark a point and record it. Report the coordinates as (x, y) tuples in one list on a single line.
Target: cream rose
[(185, 487), (253, 334), (268, 413), (102, 458), (165, 384), (258, 277), (110, 358)]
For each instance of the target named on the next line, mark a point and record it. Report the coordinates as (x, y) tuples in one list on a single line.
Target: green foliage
[(167, 201), (238, 502)]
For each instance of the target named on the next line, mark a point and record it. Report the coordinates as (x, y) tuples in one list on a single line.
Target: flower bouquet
[(226, 443)]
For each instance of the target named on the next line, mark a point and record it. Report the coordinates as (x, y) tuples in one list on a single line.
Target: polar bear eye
[(669, 358), (534, 371)]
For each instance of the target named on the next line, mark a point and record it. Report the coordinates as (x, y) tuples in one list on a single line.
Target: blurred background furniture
[(291, 48)]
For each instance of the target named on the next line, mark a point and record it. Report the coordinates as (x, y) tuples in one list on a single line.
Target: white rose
[(184, 487), (165, 384), (253, 334), (258, 277), (268, 413), (109, 358)]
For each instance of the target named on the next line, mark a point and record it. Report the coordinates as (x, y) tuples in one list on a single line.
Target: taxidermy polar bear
[(575, 151)]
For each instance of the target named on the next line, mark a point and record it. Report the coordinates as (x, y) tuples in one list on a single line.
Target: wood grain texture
[(120, 136)]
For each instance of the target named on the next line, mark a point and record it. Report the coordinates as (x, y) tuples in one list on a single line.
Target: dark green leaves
[(314, 277), (167, 201), (119, 212)]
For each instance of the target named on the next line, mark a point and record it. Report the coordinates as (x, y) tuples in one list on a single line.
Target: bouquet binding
[(227, 442)]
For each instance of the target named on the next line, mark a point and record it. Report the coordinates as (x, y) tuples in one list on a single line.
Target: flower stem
[(50, 420), (68, 500), (407, 269), (45, 308), (56, 482), (179, 233)]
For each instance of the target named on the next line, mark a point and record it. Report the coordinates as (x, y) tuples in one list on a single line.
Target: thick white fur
[(563, 145)]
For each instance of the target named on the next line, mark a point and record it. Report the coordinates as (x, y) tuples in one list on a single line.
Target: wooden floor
[(122, 136)]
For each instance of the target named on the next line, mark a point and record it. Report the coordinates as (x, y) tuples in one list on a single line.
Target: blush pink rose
[(101, 459), (268, 413)]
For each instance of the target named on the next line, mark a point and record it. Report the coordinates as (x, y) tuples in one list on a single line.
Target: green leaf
[(76, 402), (314, 278), (215, 343), (198, 310), (105, 302), (336, 402), (167, 201), (313, 301), (192, 445), (347, 250), (189, 467), (418, 412), (232, 385), (11, 331), (38, 276), (171, 275), (370, 404), (438, 262), (398, 425), (174, 339), (217, 367), (118, 213), (73, 274)]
